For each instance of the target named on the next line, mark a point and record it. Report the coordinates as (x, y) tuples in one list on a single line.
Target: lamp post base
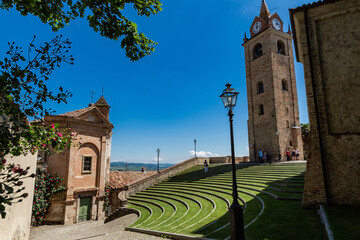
[(236, 221)]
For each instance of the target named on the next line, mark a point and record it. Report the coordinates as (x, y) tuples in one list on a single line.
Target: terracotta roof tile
[(121, 179), (312, 5), (101, 101), (77, 113)]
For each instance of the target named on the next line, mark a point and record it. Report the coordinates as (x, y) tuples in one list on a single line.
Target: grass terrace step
[(207, 205), (156, 211), (169, 210), (182, 209), (196, 204), (145, 213), (216, 201)]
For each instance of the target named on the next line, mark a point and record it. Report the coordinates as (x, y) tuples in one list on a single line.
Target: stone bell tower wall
[(281, 112)]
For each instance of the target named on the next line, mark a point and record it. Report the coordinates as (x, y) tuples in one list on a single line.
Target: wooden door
[(84, 209)]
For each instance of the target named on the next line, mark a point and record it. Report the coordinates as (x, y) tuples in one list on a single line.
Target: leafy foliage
[(23, 93), (105, 17), (107, 198), (46, 185), (10, 184), (305, 134)]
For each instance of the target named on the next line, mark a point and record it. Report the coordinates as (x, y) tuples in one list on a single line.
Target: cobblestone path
[(90, 230)]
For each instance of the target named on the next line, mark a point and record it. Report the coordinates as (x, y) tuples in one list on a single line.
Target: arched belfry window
[(257, 50), (281, 47), (284, 85), (260, 87), (261, 109)]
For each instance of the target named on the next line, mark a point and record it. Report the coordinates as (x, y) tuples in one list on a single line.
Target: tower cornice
[(269, 29)]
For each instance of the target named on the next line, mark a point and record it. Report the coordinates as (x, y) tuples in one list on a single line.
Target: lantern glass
[(229, 96)]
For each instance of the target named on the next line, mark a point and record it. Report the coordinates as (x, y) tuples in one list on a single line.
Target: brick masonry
[(281, 111), (326, 36), (93, 139)]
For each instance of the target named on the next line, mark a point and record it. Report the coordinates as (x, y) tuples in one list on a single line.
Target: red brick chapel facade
[(85, 167)]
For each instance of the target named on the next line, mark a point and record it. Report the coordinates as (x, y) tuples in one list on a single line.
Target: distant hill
[(120, 166)]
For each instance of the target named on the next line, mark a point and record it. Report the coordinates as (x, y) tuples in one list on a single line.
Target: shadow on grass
[(344, 221), (280, 219), (290, 184), (197, 172)]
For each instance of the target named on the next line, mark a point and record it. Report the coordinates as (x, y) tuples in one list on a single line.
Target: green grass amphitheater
[(196, 204)]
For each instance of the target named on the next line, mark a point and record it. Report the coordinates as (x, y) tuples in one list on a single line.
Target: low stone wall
[(227, 159), (119, 196), (164, 174), (242, 159), (120, 212)]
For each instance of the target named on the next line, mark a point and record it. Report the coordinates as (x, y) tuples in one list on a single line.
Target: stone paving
[(92, 230)]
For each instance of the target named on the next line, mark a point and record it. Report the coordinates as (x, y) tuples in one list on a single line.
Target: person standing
[(279, 157), (260, 156), (293, 155), (287, 154), (264, 157), (297, 154), (206, 165)]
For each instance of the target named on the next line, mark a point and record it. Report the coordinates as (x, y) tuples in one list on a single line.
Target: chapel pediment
[(92, 116)]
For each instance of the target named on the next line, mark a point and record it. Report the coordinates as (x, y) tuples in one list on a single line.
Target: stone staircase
[(120, 212)]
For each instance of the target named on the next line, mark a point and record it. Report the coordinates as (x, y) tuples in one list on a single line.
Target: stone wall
[(16, 225), (227, 159), (281, 111), (326, 38), (119, 195), (164, 174)]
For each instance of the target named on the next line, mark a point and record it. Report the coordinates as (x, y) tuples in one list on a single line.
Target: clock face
[(276, 23), (256, 27)]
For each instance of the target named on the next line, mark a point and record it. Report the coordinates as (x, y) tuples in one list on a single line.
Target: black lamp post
[(158, 154), (195, 146), (229, 97)]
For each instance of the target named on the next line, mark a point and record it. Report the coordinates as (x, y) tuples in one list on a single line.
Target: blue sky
[(172, 96)]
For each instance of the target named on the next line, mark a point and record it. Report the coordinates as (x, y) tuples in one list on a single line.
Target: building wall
[(16, 225), (281, 111), (90, 140), (327, 43)]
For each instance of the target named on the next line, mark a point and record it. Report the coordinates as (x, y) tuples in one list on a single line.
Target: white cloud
[(203, 154), (155, 159)]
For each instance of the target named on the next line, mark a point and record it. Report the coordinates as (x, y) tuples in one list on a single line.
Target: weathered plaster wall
[(328, 45), (16, 225)]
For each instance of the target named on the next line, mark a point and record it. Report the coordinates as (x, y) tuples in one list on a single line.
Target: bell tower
[(273, 124)]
